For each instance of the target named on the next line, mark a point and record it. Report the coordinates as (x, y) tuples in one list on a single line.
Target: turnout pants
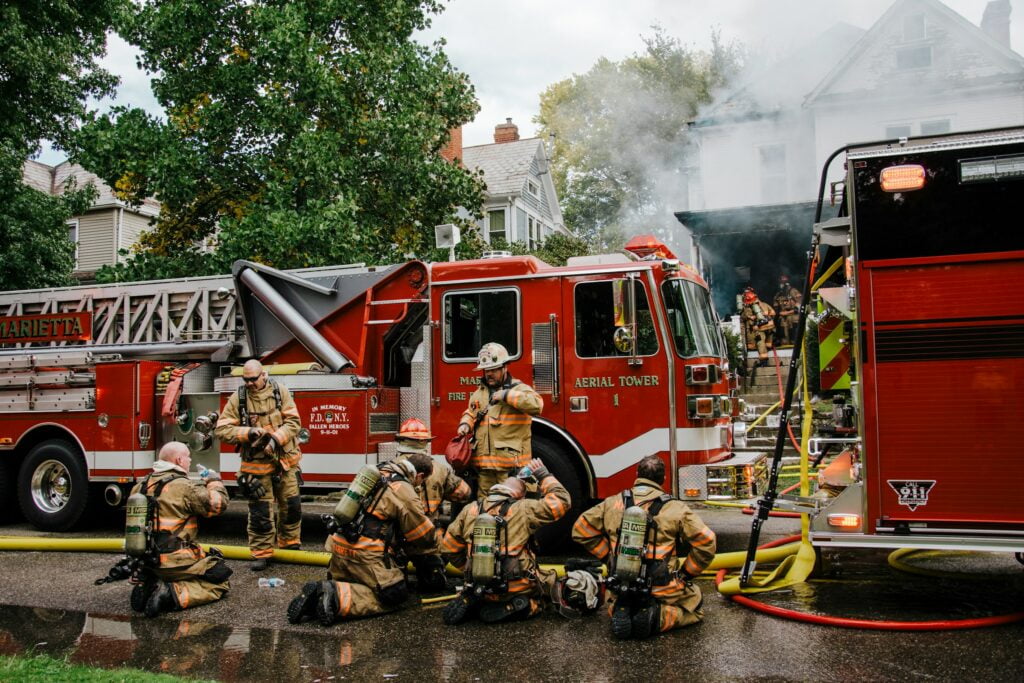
[(190, 584), (679, 605), (358, 576), (488, 478), (276, 519)]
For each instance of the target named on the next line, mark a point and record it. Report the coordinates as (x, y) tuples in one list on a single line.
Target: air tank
[(135, 519), (485, 537), (348, 507), (632, 534)]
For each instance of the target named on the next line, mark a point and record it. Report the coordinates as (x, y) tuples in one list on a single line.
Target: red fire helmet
[(749, 296), (413, 428)]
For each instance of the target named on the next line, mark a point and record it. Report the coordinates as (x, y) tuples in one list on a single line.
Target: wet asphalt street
[(52, 606)]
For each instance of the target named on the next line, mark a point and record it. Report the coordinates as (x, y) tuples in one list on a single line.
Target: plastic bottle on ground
[(272, 582)]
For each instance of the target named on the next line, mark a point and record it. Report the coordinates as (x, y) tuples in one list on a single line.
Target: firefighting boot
[(141, 593), (259, 564), (647, 621), (457, 610), (162, 600), (515, 609), (304, 605), (327, 605), (622, 621)]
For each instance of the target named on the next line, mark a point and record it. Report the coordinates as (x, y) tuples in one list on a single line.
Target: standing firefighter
[(637, 533), (491, 541), (758, 325), (378, 518), (787, 305), (261, 418), (500, 412), (442, 484), (177, 573)]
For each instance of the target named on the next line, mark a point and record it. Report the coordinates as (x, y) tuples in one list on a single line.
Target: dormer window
[(914, 57), (913, 27)]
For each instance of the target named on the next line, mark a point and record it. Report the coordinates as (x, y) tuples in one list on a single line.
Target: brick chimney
[(453, 150), (996, 21), (506, 132)]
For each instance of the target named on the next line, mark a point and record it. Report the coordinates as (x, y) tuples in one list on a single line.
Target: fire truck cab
[(624, 349), (935, 250)]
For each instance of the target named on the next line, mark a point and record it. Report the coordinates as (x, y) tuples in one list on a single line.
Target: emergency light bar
[(902, 178), (991, 169)]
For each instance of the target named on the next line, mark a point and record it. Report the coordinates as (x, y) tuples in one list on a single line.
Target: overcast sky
[(514, 49)]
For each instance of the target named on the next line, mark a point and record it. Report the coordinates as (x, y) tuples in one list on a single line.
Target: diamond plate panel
[(386, 451), (415, 399), (693, 478)]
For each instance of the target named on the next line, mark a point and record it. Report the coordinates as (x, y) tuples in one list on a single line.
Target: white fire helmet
[(492, 355)]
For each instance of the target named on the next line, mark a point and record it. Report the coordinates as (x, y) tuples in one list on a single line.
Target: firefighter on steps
[(442, 485), (500, 411), (261, 418), (491, 541), (183, 575), (637, 533), (758, 325), (787, 306), (366, 574)]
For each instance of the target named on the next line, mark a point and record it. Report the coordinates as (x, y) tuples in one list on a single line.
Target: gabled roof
[(51, 180), (870, 50), (783, 84), (506, 165)]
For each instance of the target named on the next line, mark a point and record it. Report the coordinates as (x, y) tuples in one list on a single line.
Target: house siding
[(96, 231), (132, 226)]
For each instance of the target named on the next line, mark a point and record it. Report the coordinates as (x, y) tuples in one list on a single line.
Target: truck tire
[(557, 537), (8, 478), (53, 485)]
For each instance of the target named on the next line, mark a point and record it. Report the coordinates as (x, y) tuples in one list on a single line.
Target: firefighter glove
[(271, 446), (251, 487), (464, 428), (539, 470), (255, 434), (499, 395)]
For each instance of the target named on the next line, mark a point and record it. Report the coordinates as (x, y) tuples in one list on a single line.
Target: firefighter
[(655, 593), (787, 305), (262, 420), (184, 576), (500, 411), (443, 484), (365, 574), (758, 325), (491, 541)]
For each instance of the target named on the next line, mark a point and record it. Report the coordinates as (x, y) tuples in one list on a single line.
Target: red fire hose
[(843, 622)]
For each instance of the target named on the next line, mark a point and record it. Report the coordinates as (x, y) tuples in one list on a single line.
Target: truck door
[(615, 375)]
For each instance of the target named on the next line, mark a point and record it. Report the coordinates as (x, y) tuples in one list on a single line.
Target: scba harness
[(635, 569)]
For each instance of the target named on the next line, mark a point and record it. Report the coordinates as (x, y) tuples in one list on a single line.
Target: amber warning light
[(902, 178)]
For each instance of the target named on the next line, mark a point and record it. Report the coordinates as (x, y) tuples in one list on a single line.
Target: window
[(595, 320), (73, 236), (900, 131), (471, 319), (496, 226), (531, 188), (695, 332), (914, 57), (913, 27), (532, 230), (935, 127), (773, 173)]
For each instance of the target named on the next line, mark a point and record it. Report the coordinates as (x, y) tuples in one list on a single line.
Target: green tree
[(621, 136), (48, 69), (297, 134)]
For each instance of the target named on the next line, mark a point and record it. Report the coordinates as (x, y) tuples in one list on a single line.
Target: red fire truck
[(935, 298), (625, 350)]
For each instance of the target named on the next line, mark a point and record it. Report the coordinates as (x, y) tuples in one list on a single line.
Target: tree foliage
[(621, 136), (48, 69), (297, 134)]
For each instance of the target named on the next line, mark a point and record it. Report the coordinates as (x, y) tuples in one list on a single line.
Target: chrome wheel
[(51, 486)]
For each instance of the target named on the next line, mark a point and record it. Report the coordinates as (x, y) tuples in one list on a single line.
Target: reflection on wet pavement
[(734, 643)]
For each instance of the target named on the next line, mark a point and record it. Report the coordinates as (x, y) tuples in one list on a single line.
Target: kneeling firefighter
[(636, 534), (376, 520), (443, 484), (168, 567), (491, 541)]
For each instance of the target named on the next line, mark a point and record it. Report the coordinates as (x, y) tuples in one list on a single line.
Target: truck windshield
[(691, 320)]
